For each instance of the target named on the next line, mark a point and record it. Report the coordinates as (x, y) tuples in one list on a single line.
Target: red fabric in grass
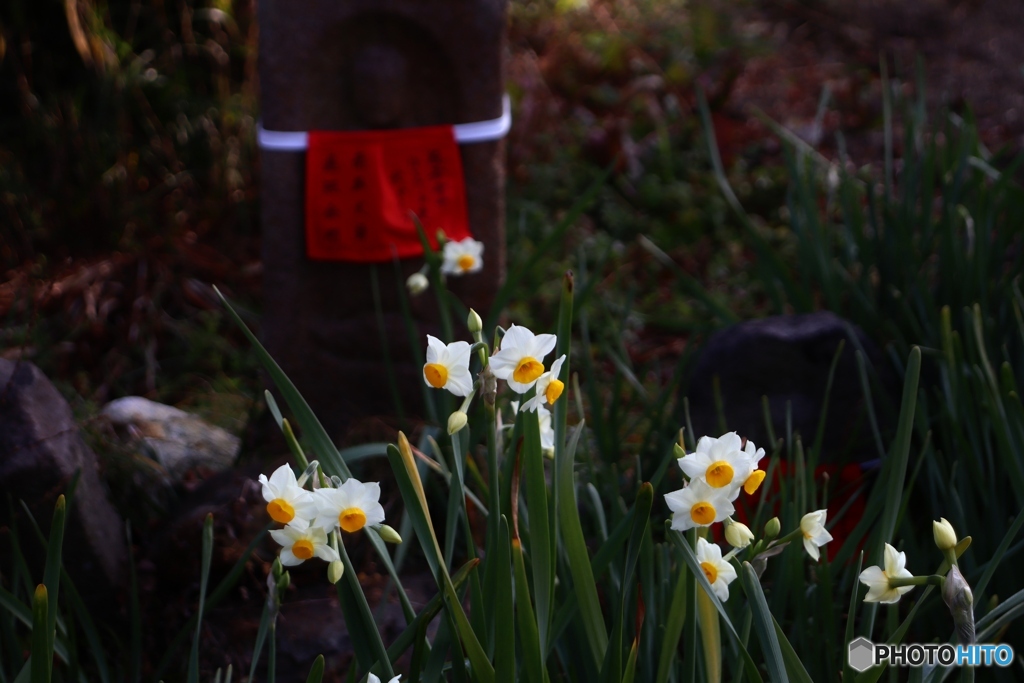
[(844, 483), (361, 186)]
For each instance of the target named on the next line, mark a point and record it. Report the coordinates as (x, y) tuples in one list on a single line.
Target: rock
[(787, 359), (41, 449), (177, 440)]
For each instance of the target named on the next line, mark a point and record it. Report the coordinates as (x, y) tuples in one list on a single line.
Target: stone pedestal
[(365, 65)]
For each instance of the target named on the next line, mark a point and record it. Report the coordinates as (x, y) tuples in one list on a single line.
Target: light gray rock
[(178, 440)]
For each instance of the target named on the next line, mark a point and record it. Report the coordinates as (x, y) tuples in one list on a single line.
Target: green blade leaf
[(504, 630), (204, 576), (575, 546), (51, 572), (41, 657), (540, 539), (316, 672), (764, 624), (529, 636)]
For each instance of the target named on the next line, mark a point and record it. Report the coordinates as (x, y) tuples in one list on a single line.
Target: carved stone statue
[(350, 65)]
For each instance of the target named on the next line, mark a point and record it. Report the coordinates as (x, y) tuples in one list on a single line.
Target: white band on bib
[(465, 133)]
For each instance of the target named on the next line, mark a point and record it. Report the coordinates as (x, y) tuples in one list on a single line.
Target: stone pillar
[(366, 65)]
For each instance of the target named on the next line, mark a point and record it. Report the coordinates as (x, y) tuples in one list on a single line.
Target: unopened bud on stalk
[(957, 595), (473, 322), (282, 584), (772, 528), (456, 421), (309, 471), (678, 450), (417, 284), (277, 569), (442, 237), (737, 534), (945, 537), (388, 534), (335, 570)]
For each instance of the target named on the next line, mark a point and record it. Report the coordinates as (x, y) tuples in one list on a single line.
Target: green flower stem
[(468, 400), (791, 536), (932, 580)]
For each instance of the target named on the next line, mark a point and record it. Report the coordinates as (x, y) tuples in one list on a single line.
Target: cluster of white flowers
[(309, 516), (717, 471), (519, 361)]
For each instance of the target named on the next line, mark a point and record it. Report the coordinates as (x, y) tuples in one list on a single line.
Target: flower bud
[(737, 534), (549, 453), (678, 450), (282, 584), (473, 322), (456, 421), (957, 595), (388, 534), (442, 237), (335, 570), (945, 537), (417, 284), (277, 569), (772, 528)]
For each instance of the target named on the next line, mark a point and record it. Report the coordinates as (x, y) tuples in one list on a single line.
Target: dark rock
[(366, 65), (787, 359), (41, 450)]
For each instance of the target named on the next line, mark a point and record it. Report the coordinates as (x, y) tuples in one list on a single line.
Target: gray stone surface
[(41, 449), (787, 359), (370, 64), (176, 439)]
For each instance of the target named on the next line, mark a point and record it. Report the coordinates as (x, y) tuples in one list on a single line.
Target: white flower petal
[(326, 552), (458, 353), (542, 345), (534, 403), (435, 347), (288, 558), (460, 381), (282, 477), (517, 338)]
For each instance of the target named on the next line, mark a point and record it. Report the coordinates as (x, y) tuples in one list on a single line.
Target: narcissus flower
[(722, 463), (812, 525), (548, 387), (351, 506), (287, 502), (520, 361), (462, 257), (718, 572), (698, 505), (300, 544), (877, 579), (547, 429), (447, 366)]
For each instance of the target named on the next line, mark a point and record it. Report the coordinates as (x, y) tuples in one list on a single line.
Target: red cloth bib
[(361, 186)]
